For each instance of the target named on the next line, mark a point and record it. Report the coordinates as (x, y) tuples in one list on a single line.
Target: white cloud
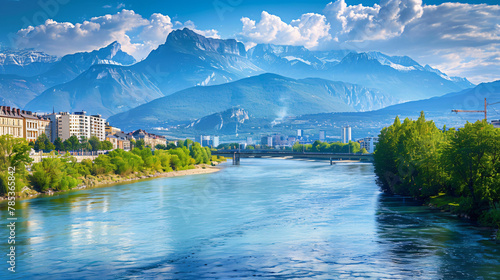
[(211, 33), (306, 31), (460, 39), (137, 35)]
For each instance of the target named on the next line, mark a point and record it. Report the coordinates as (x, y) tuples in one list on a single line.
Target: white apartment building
[(78, 124), (345, 134), (369, 143)]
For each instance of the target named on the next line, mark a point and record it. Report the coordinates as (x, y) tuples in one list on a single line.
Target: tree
[(14, 155), (40, 143), (59, 145), (84, 144), (160, 147), (171, 146), (472, 158), (140, 144), (73, 143), (95, 143), (48, 145), (106, 145)]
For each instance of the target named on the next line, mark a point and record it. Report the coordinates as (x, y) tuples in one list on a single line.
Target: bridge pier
[(236, 158)]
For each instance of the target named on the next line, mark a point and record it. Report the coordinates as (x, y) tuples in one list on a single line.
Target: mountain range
[(17, 90), (439, 109), (267, 96), (25, 63), (109, 81)]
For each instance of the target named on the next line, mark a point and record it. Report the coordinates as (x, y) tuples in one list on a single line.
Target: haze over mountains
[(267, 96), (183, 71), (437, 109)]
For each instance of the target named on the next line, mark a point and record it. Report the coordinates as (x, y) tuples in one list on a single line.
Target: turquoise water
[(273, 219)]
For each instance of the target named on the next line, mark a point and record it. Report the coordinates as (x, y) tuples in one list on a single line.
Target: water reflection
[(436, 245), (265, 218)]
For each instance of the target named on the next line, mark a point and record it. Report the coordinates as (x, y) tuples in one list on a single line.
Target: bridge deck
[(314, 155)]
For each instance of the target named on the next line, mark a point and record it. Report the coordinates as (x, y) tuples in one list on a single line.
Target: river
[(267, 218)]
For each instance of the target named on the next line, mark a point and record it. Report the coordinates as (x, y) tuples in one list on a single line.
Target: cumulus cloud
[(306, 31), (460, 39), (137, 35), (210, 33), (371, 23)]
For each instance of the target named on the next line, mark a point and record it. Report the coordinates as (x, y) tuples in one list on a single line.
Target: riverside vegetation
[(59, 173), (317, 147), (453, 169)]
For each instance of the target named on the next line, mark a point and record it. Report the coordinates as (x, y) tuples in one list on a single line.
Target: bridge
[(236, 155)]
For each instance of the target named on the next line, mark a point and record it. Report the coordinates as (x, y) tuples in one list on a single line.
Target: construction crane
[(477, 111)]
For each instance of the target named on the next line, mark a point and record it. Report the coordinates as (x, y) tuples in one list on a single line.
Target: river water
[(272, 219)]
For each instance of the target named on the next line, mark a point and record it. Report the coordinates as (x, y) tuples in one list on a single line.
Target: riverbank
[(90, 182), (450, 204)]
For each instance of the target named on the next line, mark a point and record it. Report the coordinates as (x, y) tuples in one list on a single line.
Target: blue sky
[(461, 38)]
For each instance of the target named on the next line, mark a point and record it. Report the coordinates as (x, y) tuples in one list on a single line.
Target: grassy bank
[(61, 173), (107, 180)]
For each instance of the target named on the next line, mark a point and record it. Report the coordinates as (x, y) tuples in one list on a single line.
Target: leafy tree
[(84, 144), (59, 145), (72, 143), (106, 145), (95, 143), (418, 159), (40, 143), (472, 158), (14, 153), (171, 146), (160, 147), (140, 144)]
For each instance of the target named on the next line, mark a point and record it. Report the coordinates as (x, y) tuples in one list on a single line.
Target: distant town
[(62, 126)]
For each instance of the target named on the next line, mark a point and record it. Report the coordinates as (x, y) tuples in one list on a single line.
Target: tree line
[(64, 172), (416, 158), (325, 147), (43, 143)]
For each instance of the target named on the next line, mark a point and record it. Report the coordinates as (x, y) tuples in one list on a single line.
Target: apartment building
[(23, 124), (369, 143), (11, 122), (149, 139), (79, 124)]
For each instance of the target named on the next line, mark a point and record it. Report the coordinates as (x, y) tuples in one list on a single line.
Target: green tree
[(95, 143), (40, 143), (72, 143), (84, 144), (472, 158), (14, 154), (160, 147), (106, 145), (140, 144), (59, 145)]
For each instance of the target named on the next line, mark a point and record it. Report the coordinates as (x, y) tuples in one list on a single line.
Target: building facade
[(11, 122), (23, 124), (78, 124), (207, 141), (322, 135), (266, 141), (110, 130), (369, 143), (345, 134), (149, 139)]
